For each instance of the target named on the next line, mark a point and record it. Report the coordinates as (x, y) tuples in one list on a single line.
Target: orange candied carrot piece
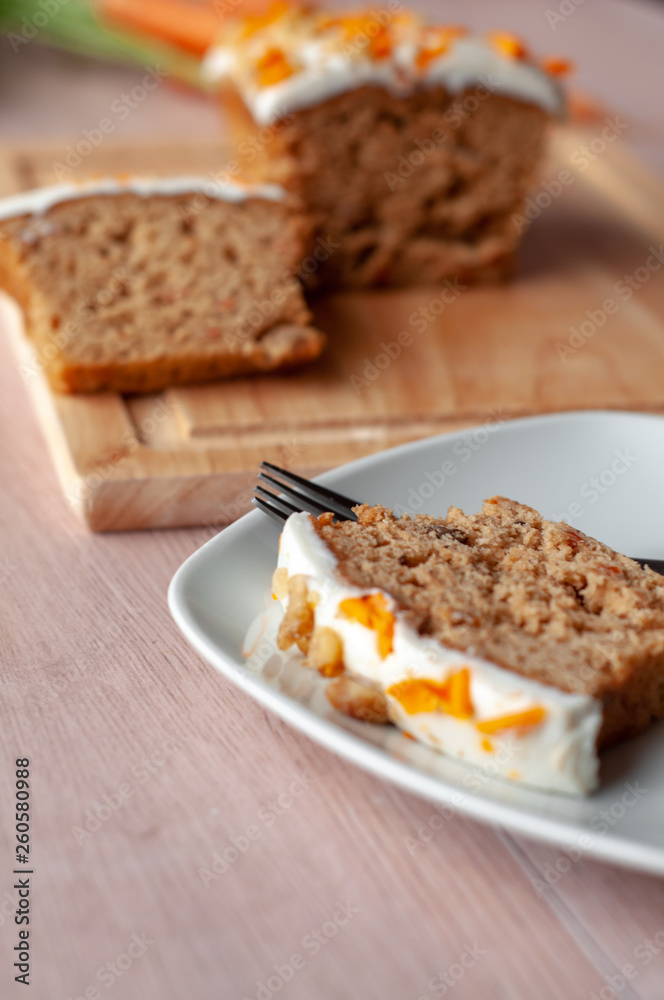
[(457, 695), (439, 43), (520, 720), (372, 612), (508, 45), (421, 695), (415, 696), (355, 25), (556, 66), (380, 45), (427, 56), (273, 67)]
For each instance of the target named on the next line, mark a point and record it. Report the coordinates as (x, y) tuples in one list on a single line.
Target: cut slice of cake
[(410, 146), (496, 636), (134, 286)]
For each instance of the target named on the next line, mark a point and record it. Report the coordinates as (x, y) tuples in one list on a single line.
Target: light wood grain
[(187, 456), (576, 894)]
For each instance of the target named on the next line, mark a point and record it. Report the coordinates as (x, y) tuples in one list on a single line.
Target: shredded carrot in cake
[(519, 720), (421, 695), (508, 45), (372, 612), (273, 67)]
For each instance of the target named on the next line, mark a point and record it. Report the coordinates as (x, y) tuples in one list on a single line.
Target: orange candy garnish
[(457, 691), (372, 612), (508, 45), (427, 56), (254, 22), (273, 67), (451, 697), (355, 26), (440, 43), (350, 23), (520, 720), (416, 696), (380, 45), (556, 66)]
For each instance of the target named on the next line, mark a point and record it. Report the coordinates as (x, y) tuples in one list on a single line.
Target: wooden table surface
[(147, 766)]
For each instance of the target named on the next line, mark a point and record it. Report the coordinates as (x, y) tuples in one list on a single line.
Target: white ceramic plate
[(603, 472)]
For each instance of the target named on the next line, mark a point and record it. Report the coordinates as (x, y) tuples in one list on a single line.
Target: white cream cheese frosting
[(40, 200), (474, 60), (323, 62), (533, 733)]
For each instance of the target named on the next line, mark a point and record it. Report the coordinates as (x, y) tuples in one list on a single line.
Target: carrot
[(188, 25)]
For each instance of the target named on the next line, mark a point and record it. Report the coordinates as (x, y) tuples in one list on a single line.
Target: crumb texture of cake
[(410, 154), (384, 220), (132, 289), (536, 596), (495, 637)]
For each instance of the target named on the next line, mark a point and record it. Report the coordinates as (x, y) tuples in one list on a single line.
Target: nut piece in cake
[(357, 700), (297, 624), (326, 654)]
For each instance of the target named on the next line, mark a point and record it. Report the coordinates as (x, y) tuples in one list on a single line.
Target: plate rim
[(611, 847)]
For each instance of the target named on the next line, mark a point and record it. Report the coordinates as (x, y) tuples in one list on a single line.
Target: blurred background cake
[(136, 285), (410, 146)]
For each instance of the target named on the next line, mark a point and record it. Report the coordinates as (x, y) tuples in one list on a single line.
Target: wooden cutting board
[(581, 327)]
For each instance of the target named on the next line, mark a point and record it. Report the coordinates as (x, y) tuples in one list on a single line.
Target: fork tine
[(271, 509), (307, 499), (282, 504), (324, 497)]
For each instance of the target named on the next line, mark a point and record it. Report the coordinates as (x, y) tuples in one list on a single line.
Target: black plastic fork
[(299, 494)]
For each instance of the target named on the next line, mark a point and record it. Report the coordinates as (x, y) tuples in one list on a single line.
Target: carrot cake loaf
[(410, 146), (496, 635), (133, 286)]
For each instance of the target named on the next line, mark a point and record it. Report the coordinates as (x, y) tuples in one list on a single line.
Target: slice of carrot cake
[(133, 286), (496, 635), (410, 145)]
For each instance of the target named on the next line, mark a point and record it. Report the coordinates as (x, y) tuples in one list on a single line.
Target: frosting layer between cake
[(454, 701)]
